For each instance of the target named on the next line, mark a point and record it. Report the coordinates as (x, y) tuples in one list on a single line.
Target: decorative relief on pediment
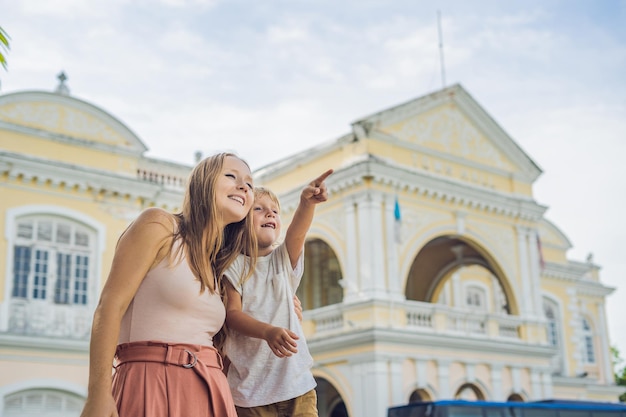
[(447, 130), (61, 120)]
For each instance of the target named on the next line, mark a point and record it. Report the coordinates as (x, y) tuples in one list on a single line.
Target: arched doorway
[(469, 392), (515, 398), (329, 401), (458, 272), (419, 395), (320, 283)]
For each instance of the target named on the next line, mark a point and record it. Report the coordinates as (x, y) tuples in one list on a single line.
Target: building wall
[(440, 256)]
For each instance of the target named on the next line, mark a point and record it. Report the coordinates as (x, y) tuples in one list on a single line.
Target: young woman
[(161, 304)]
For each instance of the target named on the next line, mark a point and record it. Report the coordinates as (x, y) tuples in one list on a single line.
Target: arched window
[(419, 395), (553, 334), (552, 325), (52, 260), (475, 298), (320, 282), (588, 350), (52, 285), (515, 398), (43, 403), (469, 392)]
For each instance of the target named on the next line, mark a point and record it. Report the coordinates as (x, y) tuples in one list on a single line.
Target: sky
[(268, 79)]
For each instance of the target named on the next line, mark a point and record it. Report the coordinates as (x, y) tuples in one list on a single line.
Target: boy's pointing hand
[(315, 192)]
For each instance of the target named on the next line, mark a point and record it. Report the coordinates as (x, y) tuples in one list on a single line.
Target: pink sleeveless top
[(168, 307)]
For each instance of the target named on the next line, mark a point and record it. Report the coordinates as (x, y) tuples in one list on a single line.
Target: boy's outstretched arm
[(314, 193), (282, 341)]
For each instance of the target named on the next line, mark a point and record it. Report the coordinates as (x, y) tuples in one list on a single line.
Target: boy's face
[(266, 221)]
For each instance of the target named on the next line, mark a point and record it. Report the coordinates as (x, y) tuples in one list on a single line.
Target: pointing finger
[(319, 180)]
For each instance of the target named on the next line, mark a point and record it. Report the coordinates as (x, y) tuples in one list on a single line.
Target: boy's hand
[(281, 341), (315, 192)]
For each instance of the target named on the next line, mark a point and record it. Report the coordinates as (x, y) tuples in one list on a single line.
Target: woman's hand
[(297, 306), (101, 405)]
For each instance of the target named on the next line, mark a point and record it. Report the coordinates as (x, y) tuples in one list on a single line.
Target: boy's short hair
[(266, 192)]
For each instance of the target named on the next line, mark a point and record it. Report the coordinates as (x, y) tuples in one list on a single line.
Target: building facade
[(430, 273)]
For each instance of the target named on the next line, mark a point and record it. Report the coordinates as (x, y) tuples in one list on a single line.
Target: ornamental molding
[(66, 176), (573, 274), (460, 345), (55, 137), (469, 107), (284, 166), (425, 152), (22, 106), (44, 344), (397, 178)]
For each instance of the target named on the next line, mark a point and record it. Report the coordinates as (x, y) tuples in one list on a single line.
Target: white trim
[(51, 384), (43, 383), (485, 292), (135, 145), (12, 214), (476, 382), (561, 328)]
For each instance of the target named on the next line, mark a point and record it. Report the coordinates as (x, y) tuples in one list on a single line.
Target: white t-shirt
[(256, 376)]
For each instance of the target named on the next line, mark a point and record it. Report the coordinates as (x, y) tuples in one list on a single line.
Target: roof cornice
[(136, 146), (397, 178), (74, 176), (367, 126)]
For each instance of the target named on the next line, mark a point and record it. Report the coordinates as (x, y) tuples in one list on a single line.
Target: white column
[(536, 384), (535, 272), (456, 291), (576, 342), (522, 254), (359, 388), (516, 379), (496, 383), (375, 397), (420, 373), (371, 266), (350, 281), (546, 380), (394, 280), (470, 373), (603, 331), (443, 376), (395, 382)]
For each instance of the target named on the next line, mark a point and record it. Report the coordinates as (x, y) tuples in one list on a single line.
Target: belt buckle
[(193, 363)]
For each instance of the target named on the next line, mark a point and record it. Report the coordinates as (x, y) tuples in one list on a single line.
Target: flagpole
[(443, 68)]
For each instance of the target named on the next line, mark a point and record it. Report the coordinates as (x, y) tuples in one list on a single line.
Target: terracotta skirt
[(157, 379)]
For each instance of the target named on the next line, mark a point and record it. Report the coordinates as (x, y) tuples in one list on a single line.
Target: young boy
[(270, 372)]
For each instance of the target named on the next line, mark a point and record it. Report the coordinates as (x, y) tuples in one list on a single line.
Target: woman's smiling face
[(234, 189)]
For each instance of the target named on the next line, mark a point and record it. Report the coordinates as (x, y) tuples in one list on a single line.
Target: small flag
[(398, 222)]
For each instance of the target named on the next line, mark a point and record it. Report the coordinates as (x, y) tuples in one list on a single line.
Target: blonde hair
[(266, 192), (209, 246)]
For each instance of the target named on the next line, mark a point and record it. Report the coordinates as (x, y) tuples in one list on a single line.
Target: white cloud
[(69, 9)]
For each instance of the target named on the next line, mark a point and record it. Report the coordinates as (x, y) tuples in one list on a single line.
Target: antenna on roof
[(443, 68)]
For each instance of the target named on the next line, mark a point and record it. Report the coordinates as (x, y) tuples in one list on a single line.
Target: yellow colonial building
[(430, 273)]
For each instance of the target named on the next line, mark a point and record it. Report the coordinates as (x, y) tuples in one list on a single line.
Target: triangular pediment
[(450, 125), (446, 130), (67, 117)]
